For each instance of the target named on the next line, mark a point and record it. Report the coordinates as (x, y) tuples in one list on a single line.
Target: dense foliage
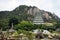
[(24, 25)]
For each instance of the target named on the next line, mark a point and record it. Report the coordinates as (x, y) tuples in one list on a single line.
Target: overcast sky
[(48, 5)]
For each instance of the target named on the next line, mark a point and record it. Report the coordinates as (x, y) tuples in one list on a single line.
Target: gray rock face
[(33, 11), (47, 16)]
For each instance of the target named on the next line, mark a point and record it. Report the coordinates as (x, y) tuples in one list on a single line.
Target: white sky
[(48, 5)]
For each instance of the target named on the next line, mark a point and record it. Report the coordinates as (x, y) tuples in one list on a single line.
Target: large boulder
[(39, 35), (58, 30), (46, 32)]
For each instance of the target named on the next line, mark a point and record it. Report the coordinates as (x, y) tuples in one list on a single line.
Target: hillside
[(24, 12)]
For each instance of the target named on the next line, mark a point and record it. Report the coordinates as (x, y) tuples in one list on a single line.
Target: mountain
[(30, 13)]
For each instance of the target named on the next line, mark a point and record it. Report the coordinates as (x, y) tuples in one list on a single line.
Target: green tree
[(3, 24), (13, 20), (24, 25)]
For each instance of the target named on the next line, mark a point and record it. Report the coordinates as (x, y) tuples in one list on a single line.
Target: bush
[(24, 25)]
